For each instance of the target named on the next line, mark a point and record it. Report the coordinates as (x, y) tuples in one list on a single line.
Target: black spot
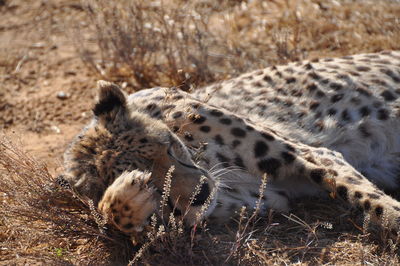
[(219, 140), (267, 136), (363, 130), (354, 73), (345, 115), (238, 132), (325, 81), (337, 97), (290, 148), (342, 76), (320, 94), (188, 136), (156, 114), (205, 129), (312, 87), (364, 91), (288, 157), (257, 84), (378, 211), (373, 196), (224, 160), (391, 74), (358, 195), (267, 78), (151, 106), (177, 115), (260, 149), (332, 172), (225, 121), (314, 76), (143, 140), (332, 111), (236, 143), (388, 96), (336, 86), (383, 114), (177, 97), (269, 166), (363, 68), (238, 161), (355, 100), (195, 105), (290, 80), (201, 198), (317, 175), (365, 111), (308, 66), (197, 119), (342, 191), (367, 205), (314, 105), (216, 113), (249, 128)]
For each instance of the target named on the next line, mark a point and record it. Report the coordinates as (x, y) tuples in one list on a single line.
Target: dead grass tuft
[(42, 222), (191, 43)]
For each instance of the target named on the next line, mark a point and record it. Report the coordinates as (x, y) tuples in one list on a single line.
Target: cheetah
[(313, 128)]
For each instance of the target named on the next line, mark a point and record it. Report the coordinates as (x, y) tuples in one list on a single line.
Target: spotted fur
[(320, 127)]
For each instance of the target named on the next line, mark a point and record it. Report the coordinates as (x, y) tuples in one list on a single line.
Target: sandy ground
[(44, 87)]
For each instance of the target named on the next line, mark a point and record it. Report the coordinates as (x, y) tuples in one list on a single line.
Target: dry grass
[(41, 222), (151, 43)]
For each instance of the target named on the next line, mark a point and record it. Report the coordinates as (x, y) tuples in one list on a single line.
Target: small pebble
[(62, 95)]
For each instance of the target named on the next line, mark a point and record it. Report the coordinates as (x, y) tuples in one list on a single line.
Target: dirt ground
[(47, 90)]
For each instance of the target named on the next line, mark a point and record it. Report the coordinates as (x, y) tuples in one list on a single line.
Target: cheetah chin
[(320, 127)]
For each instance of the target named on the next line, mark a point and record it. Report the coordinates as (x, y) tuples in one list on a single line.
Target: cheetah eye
[(172, 155)]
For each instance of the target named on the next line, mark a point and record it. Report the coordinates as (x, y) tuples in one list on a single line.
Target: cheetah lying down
[(318, 127)]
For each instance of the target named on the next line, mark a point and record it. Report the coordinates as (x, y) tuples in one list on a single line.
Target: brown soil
[(45, 89)]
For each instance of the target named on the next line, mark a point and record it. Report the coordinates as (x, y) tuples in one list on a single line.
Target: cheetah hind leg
[(130, 202), (339, 178)]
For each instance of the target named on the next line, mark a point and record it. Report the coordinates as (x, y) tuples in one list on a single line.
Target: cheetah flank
[(315, 127)]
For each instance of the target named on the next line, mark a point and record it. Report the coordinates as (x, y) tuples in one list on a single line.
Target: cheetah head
[(121, 139)]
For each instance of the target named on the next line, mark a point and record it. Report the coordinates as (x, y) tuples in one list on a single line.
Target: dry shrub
[(153, 43), (43, 222), (184, 43)]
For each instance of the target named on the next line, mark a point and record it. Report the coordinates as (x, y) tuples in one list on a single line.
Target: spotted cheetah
[(319, 127)]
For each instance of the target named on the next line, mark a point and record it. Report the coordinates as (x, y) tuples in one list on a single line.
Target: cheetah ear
[(110, 99)]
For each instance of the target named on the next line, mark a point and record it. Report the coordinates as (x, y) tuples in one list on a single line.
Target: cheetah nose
[(202, 197)]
